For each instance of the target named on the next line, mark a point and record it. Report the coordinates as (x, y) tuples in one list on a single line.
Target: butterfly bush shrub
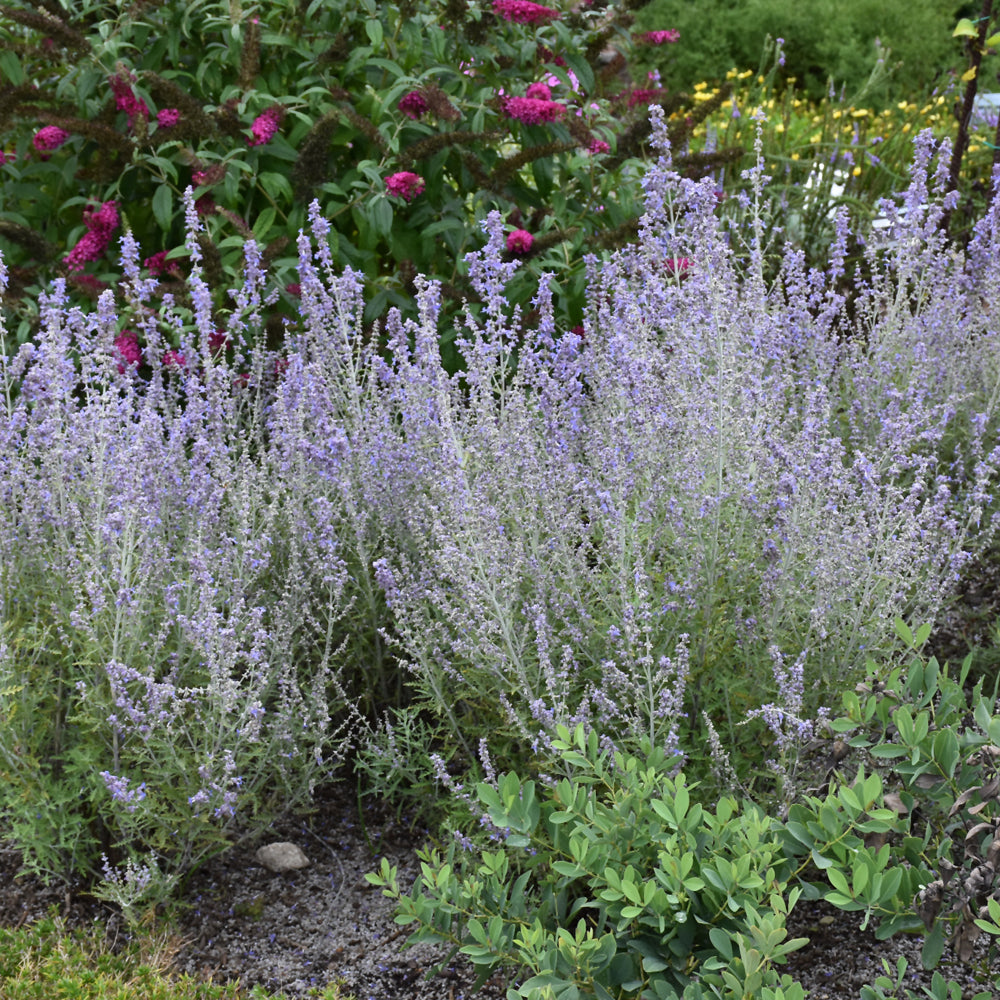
[(408, 121)]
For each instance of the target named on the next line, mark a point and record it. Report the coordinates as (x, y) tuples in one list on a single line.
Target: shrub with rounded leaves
[(409, 121)]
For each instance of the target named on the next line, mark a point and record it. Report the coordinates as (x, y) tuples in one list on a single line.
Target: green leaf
[(374, 30), (578, 64), (887, 751), (904, 632), (263, 223), (841, 901), (965, 29), (904, 723), (933, 948), (681, 802), (993, 41), (276, 184), (162, 206), (822, 862), (10, 68), (838, 881)]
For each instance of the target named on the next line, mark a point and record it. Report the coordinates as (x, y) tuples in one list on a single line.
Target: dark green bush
[(823, 39), (401, 118)]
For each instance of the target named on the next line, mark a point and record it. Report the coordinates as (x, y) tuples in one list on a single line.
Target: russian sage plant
[(621, 528), (172, 591)]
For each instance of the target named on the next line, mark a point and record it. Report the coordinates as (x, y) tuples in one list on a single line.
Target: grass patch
[(48, 961)]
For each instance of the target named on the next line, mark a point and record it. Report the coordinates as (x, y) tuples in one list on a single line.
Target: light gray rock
[(281, 857)]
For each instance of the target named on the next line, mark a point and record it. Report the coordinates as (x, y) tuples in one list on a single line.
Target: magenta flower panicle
[(266, 125), (533, 111), (524, 11), (127, 346), (100, 224), (125, 99), (168, 117), (157, 263), (659, 37), (413, 104), (48, 139), (406, 185), (519, 241), (539, 91), (174, 359)]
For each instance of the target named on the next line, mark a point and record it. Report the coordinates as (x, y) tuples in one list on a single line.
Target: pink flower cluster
[(532, 110), (49, 138), (547, 55), (643, 95), (46, 140), (413, 104), (100, 224), (168, 117), (539, 92), (524, 11), (598, 146), (406, 185), (659, 37), (265, 125), (127, 345), (519, 241), (125, 99), (157, 264)]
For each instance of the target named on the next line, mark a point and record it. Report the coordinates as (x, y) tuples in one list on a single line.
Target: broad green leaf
[(933, 948), (10, 68), (163, 203), (276, 184), (373, 28), (904, 632), (965, 29), (263, 223)]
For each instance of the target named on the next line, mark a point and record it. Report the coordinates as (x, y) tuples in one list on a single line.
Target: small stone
[(281, 857)]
